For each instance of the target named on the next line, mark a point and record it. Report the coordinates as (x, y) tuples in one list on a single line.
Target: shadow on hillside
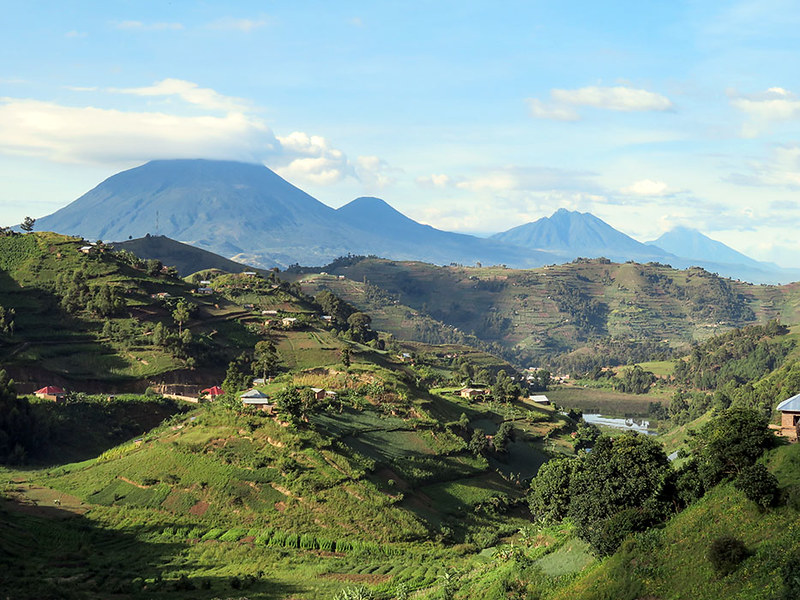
[(49, 345), (50, 553), (77, 431)]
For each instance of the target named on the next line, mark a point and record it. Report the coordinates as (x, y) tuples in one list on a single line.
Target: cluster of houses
[(258, 399)]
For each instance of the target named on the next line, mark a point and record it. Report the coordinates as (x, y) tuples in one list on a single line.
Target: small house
[(161, 295), (86, 249), (472, 393), (289, 321), (51, 392), (213, 392), (269, 312), (319, 393), (205, 290), (258, 400), (790, 416), (539, 399), (249, 273), (327, 318)]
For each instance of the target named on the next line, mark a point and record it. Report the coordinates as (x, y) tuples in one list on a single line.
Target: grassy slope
[(675, 566), (522, 308)]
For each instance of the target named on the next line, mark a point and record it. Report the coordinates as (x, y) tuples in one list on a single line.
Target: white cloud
[(440, 181), (91, 135), (80, 88), (780, 169), (356, 22), (617, 98), (101, 136), (647, 187), (189, 92), (75, 34), (515, 178), (540, 110), (140, 26), (375, 172), (242, 25), (311, 158), (775, 104)]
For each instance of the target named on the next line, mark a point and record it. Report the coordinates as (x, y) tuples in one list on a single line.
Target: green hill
[(579, 311)]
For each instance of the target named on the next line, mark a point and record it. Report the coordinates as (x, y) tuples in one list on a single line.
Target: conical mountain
[(250, 214), (690, 243), (572, 234)]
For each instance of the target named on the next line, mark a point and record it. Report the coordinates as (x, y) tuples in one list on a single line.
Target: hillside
[(185, 258), (538, 314)]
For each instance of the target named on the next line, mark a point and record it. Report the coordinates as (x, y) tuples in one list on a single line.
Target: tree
[(27, 224), (730, 442), (265, 358), (478, 444), (758, 484), (289, 403), (635, 381), (346, 357), (629, 471), (586, 435), (182, 313), (550, 490), (359, 323), (237, 377)]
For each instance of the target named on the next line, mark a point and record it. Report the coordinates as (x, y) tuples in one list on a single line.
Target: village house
[(249, 273), (790, 417), (539, 399), (86, 249), (161, 295), (319, 393), (257, 400), (289, 321), (213, 392), (205, 290), (51, 392), (472, 393), (269, 312)]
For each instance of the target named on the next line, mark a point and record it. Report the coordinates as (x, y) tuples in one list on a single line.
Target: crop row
[(274, 538)]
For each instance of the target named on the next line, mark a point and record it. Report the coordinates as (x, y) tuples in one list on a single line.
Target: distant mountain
[(690, 243), (695, 248), (572, 234), (185, 258), (248, 213)]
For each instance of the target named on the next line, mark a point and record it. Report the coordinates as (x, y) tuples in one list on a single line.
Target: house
[(86, 249), (51, 392), (205, 290), (471, 393), (259, 381), (269, 312), (289, 321), (341, 276), (249, 273), (205, 282), (161, 295), (331, 395), (213, 392), (327, 318), (257, 400), (790, 416), (319, 393), (539, 399)]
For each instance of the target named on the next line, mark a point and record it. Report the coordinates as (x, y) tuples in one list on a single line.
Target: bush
[(758, 484), (607, 538), (726, 554)]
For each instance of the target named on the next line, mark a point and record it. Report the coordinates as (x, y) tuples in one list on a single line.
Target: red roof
[(50, 390), (213, 391)]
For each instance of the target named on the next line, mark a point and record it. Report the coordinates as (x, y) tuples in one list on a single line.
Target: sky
[(469, 116)]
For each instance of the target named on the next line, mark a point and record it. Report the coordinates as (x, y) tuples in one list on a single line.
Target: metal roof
[(791, 404), (253, 394)]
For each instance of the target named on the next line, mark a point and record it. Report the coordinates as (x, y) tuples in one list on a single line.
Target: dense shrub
[(613, 531), (726, 553), (758, 484)]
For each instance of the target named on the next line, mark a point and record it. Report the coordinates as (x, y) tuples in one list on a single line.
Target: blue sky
[(470, 116)]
